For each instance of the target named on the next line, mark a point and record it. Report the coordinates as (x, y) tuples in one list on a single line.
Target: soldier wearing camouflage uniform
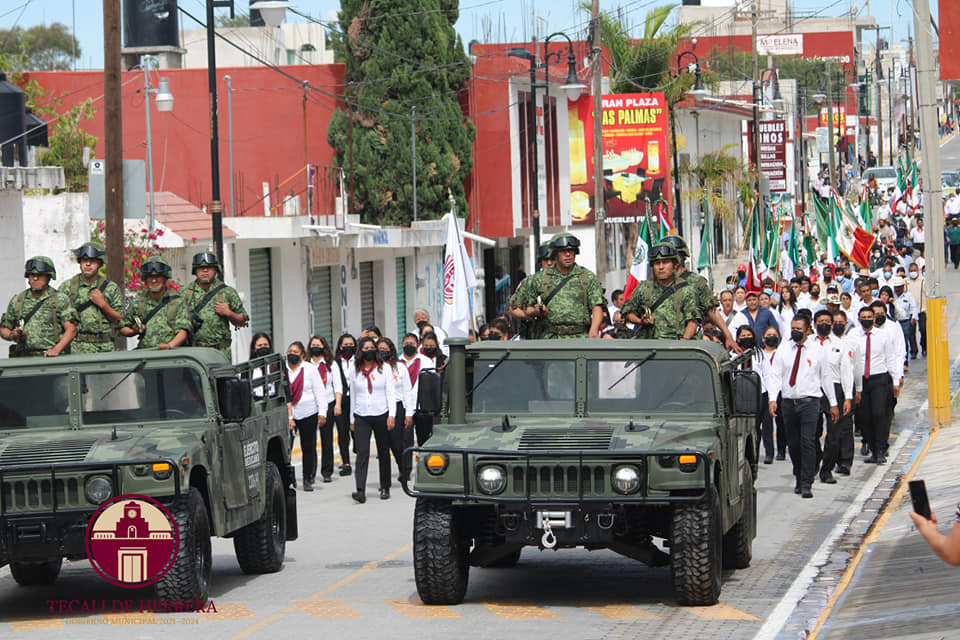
[(676, 314), (576, 309), (40, 320), (207, 325), (518, 301), (97, 301), (153, 314)]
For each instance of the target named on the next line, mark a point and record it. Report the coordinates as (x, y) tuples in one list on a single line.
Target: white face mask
[(914, 275)]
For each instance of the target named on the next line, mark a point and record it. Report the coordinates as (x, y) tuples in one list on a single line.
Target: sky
[(503, 20)]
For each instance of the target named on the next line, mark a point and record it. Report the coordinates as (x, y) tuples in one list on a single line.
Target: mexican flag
[(638, 269), (852, 240)]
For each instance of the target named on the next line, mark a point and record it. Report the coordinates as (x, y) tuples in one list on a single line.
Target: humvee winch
[(206, 439), (646, 448)]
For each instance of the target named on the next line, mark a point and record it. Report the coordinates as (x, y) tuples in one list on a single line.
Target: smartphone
[(918, 495)]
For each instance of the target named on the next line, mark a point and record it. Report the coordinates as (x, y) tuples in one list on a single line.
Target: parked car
[(886, 177)]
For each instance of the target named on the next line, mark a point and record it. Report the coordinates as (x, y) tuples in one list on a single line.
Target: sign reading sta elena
[(783, 44)]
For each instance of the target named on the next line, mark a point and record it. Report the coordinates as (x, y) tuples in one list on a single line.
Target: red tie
[(866, 369), (822, 340), (796, 366)]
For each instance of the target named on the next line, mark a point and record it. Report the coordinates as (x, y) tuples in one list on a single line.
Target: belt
[(567, 329), (218, 345), (803, 399), (98, 338)]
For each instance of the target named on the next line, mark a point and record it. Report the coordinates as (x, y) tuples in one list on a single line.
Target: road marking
[(36, 624), (721, 611), (362, 571), (520, 611), (413, 609), (233, 611), (327, 608), (622, 612)]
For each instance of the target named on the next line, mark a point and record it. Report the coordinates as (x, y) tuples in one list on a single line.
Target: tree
[(224, 21), (401, 55), (45, 48)]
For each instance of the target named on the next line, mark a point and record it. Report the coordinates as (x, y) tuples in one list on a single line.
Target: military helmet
[(42, 265), (565, 241), (545, 251), (155, 266), (92, 250), (664, 251), (205, 259), (677, 243)]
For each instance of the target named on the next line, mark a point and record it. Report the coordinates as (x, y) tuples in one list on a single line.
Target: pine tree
[(403, 54)]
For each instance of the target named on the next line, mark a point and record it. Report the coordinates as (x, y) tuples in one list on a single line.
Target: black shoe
[(781, 456), (359, 496), (307, 485), (797, 489), (871, 460), (806, 493), (843, 471), (827, 478), (881, 459), (864, 449), (768, 460), (384, 494), (345, 470), (327, 479)]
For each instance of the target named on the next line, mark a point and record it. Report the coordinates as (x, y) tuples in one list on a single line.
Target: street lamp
[(164, 103), (699, 93), (572, 88), (272, 11)]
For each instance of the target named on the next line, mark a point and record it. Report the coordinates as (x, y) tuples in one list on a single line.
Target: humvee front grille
[(71, 450), (583, 439), (38, 495), (558, 480)]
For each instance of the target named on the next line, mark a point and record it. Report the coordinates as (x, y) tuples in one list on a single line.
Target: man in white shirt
[(421, 318), (800, 371), (840, 362), (915, 285), (731, 317), (917, 236), (875, 401), (952, 206), (911, 315)]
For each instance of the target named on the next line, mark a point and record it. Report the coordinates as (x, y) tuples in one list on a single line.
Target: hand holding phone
[(918, 496)]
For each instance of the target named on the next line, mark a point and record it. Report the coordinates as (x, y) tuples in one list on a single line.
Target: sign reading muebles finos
[(772, 139)]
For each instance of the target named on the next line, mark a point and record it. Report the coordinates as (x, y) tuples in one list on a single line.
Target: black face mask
[(866, 324), (316, 352), (492, 336), (747, 342), (839, 330), (421, 324), (262, 351), (409, 350), (823, 329), (386, 356), (879, 320), (348, 352), (369, 355), (430, 352), (293, 359), (796, 335), (771, 341)]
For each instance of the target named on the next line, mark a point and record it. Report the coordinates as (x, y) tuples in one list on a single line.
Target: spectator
[(947, 548)]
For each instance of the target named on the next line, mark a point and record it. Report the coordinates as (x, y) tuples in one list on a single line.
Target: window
[(657, 385), (261, 292), (139, 395), (523, 386), (34, 401)]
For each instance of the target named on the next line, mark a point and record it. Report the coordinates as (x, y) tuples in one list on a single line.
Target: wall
[(54, 226), (270, 44), (13, 256)]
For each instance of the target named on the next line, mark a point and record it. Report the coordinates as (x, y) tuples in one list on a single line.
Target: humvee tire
[(32, 574), (440, 555), (738, 541), (696, 551), (260, 546), (189, 577)]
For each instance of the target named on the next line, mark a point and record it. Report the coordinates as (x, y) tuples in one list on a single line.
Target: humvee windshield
[(34, 401), (168, 393), (523, 386), (657, 385)]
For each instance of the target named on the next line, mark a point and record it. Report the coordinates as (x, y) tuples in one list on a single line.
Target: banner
[(773, 152), (635, 164)]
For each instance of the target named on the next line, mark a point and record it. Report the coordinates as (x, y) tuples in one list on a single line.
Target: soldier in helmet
[(153, 314), (518, 301), (706, 300), (40, 320), (207, 308), (98, 302), (663, 307), (567, 297)]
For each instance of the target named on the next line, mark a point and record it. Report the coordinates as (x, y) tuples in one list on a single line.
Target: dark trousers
[(839, 440), (343, 431), (800, 420), (922, 324), (307, 428), (767, 426), (905, 326), (911, 335), (401, 438), (423, 423), (955, 255), (363, 427), (326, 443), (877, 402)]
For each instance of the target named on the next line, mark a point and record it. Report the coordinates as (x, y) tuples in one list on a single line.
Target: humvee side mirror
[(233, 396), (430, 393), (746, 393)]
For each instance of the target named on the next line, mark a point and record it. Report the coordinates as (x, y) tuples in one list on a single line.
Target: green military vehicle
[(646, 448), (206, 439)]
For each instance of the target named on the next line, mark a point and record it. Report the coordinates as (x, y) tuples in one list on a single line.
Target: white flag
[(458, 279)]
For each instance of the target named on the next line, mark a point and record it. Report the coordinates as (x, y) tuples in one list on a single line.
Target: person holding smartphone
[(946, 547)]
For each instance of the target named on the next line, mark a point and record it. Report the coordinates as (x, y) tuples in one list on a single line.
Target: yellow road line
[(413, 609), (362, 571), (327, 609), (520, 612), (36, 624), (622, 612), (721, 611), (872, 536), (233, 611)]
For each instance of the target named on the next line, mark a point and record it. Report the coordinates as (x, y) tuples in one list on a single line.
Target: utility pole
[(113, 141), (879, 77), (599, 212), (938, 365), (413, 151), (755, 8), (830, 145)]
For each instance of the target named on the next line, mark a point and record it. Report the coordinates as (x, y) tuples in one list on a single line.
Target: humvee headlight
[(97, 489), (162, 470), (436, 463), (491, 480), (626, 480), (688, 463)]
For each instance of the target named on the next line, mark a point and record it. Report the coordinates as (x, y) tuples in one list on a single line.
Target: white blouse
[(382, 399), (313, 396)]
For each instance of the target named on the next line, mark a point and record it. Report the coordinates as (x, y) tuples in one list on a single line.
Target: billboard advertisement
[(635, 165)]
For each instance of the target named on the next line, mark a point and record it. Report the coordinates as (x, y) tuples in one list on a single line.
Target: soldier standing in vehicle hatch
[(152, 315), (518, 301), (97, 301), (207, 308), (663, 307), (567, 297), (40, 320)]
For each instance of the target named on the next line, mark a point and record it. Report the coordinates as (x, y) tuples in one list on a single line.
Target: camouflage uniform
[(93, 331), (521, 300), (569, 311), (160, 328), (45, 328), (671, 317), (215, 331), (706, 299)]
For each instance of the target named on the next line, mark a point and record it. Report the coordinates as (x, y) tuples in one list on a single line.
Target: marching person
[(915, 286), (97, 301), (322, 356), (40, 320), (307, 398), (771, 340), (880, 360), (405, 403), (413, 363), (373, 403), (841, 362), (344, 363), (153, 313)]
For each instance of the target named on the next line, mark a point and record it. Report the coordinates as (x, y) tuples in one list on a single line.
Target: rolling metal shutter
[(367, 311), (401, 297), (321, 303), (261, 292)]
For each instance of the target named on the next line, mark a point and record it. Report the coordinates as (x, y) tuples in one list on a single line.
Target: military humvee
[(601, 444), (206, 439)]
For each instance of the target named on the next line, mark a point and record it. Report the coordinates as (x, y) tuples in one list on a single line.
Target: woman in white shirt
[(404, 392), (346, 349), (322, 356), (771, 340), (786, 309), (307, 396), (373, 405)]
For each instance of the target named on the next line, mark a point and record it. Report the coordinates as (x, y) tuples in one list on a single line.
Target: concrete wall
[(12, 254), (55, 225)]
